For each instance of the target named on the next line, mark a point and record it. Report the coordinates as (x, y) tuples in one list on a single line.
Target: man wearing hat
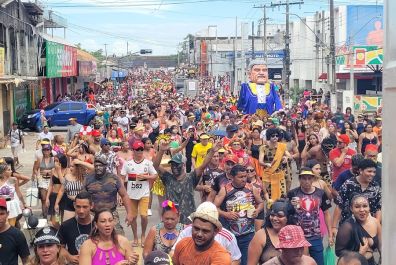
[(45, 134), (94, 144), (158, 257), (291, 244), (231, 130), (190, 121), (341, 156), (179, 184), (104, 186), (200, 150), (12, 241), (202, 247), (108, 154), (308, 201), (74, 128)]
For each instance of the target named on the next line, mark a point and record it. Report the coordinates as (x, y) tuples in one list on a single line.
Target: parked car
[(58, 114)]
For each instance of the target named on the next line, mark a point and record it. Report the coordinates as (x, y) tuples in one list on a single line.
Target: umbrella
[(220, 133)]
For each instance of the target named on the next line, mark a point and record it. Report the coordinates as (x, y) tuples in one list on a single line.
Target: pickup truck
[(58, 114)]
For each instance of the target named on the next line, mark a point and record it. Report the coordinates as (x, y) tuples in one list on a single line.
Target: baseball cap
[(344, 138), (46, 235), (207, 211), (101, 159), (158, 257), (3, 203), (258, 123), (72, 119), (177, 158), (96, 133), (137, 144), (305, 171), (204, 136), (104, 141), (292, 236), (139, 128)]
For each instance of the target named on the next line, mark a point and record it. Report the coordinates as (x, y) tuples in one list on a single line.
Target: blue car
[(58, 114)]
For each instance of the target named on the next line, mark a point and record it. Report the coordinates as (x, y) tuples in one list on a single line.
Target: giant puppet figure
[(258, 96)]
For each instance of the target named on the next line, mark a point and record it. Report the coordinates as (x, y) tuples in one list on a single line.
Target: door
[(61, 115), (77, 110)]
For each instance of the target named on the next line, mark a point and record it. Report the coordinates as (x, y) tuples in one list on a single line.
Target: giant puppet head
[(258, 71)]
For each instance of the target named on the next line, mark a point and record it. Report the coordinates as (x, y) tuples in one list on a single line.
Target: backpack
[(19, 134)]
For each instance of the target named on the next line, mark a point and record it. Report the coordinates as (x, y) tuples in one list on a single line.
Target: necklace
[(169, 236), (78, 227)]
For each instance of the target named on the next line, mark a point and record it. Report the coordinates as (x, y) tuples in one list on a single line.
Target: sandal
[(135, 243)]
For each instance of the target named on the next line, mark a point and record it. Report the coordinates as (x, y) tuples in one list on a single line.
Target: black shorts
[(69, 204), (52, 199)]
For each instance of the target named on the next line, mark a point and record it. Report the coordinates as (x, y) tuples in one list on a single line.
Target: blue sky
[(161, 24)]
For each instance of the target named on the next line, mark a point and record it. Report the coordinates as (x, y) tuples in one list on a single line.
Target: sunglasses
[(236, 144), (229, 163), (275, 135), (46, 149), (139, 149), (339, 142), (250, 170), (279, 214)]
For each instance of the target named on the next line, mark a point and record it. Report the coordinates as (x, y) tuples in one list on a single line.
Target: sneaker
[(149, 213)]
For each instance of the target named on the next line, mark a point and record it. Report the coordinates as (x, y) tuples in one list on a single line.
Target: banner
[(61, 60), (2, 61), (87, 68), (367, 103)]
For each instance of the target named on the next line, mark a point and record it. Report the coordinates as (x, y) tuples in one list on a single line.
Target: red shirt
[(347, 164)]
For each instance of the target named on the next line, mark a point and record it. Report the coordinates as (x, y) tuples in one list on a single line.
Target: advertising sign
[(61, 60), (87, 68), (367, 103), (2, 61), (365, 25), (364, 55)]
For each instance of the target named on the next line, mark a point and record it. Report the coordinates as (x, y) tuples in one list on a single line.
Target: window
[(76, 106), (63, 107)]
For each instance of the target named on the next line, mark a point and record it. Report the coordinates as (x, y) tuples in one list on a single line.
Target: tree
[(98, 55)]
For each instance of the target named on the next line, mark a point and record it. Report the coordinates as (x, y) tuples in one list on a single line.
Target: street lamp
[(211, 48)]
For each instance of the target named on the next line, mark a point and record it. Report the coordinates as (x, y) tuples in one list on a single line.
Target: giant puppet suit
[(258, 98)]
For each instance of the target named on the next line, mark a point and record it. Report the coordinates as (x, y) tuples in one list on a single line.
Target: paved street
[(27, 159)]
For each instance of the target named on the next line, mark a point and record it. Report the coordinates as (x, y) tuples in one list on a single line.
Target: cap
[(139, 128), (191, 116), (137, 144), (3, 203), (207, 211), (371, 147), (96, 133), (232, 128), (204, 136), (104, 141), (157, 257), (44, 142), (378, 119), (221, 150), (72, 119), (344, 138), (306, 172), (177, 158), (232, 158), (46, 235), (174, 144), (292, 236), (101, 159)]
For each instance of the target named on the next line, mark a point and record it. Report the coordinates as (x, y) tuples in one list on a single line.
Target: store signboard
[(61, 60)]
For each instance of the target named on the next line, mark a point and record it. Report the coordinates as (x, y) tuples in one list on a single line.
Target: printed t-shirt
[(137, 189), (347, 164)]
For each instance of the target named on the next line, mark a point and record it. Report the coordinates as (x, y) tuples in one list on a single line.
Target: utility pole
[(127, 48), (317, 45), (253, 56), (286, 61), (235, 55), (106, 58), (264, 7), (333, 83)]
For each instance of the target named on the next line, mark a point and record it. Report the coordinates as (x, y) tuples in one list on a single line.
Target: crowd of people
[(167, 147)]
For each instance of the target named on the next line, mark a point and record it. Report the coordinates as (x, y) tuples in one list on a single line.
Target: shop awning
[(345, 76), (56, 39)]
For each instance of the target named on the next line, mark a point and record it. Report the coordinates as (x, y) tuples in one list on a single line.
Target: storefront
[(60, 70)]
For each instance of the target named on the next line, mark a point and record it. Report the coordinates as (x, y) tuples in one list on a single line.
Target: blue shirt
[(344, 176)]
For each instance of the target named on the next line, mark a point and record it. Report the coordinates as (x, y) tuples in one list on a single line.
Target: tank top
[(107, 256), (55, 180), (366, 141), (72, 188), (49, 166), (158, 244), (269, 250), (239, 200)]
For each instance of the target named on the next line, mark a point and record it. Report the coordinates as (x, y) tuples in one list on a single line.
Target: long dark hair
[(289, 213), (95, 232)]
